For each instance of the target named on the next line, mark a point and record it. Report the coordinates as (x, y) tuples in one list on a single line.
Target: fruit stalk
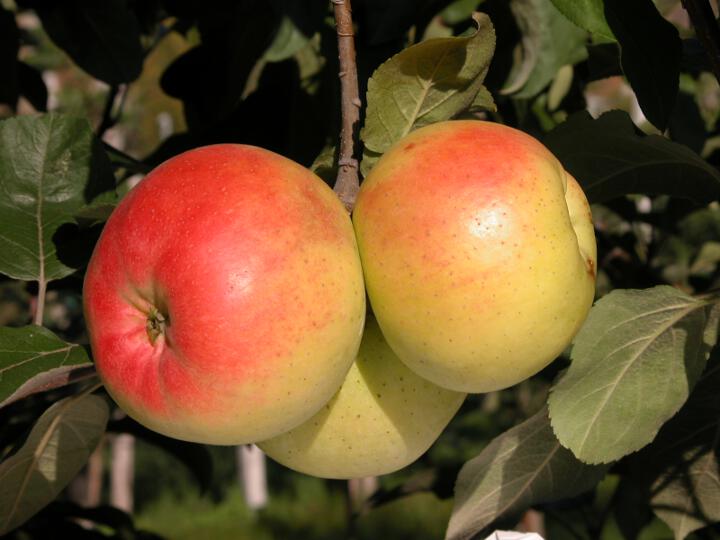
[(40, 306), (347, 182)]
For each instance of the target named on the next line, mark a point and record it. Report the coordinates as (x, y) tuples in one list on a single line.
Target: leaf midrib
[(651, 338), (36, 456)]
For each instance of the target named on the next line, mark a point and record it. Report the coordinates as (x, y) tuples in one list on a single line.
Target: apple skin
[(478, 251), (382, 419), (252, 262)]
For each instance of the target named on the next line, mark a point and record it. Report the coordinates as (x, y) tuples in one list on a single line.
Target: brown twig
[(707, 30), (348, 182)]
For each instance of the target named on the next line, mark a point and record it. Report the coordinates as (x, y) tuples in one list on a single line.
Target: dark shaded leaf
[(609, 158), (388, 21), (32, 86), (650, 52), (9, 46), (522, 467), (686, 486), (103, 38), (234, 36), (58, 446)]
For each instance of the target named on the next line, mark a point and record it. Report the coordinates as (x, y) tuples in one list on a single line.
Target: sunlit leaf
[(428, 82), (634, 363), (51, 166)]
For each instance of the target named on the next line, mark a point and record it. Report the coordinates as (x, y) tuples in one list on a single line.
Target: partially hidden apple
[(382, 419), (225, 299), (478, 251)]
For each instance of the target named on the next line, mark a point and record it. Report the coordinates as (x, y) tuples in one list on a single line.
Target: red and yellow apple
[(478, 251), (382, 419), (225, 299)]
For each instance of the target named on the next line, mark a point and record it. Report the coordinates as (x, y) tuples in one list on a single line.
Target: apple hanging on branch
[(478, 251), (224, 299)]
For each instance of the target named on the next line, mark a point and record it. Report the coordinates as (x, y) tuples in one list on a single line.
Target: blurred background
[(266, 74)]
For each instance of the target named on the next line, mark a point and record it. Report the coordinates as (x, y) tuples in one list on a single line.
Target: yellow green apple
[(225, 299), (383, 418), (478, 251)]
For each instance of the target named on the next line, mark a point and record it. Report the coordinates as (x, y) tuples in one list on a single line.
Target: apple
[(224, 299), (478, 251), (382, 419)]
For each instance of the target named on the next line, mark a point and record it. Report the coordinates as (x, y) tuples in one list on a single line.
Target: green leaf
[(524, 466), (428, 82), (650, 53), (325, 164), (549, 41), (51, 166), (688, 496), (369, 159), (57, 448), (459, 11), (634, 363), (31, 354), (483, 101), (609, 159), (707, 260), (103, 38), (288, 41), (587, 14), (686, 485)]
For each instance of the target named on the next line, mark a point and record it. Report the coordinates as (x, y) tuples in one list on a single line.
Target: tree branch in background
[(706, 29), (348, 182)]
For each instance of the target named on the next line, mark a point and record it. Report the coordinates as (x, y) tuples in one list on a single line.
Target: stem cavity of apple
[(156, 325)]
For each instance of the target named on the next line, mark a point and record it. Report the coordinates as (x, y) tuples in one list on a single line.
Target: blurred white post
[(252, 475), (360, 489), (86, 487), (95, 464), (122, 472)]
